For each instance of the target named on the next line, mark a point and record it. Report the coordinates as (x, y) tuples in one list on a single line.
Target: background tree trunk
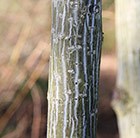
[(74, 69), (127, 97)]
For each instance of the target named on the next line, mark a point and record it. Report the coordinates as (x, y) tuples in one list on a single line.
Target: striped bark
[(127, 100), (74, 68)]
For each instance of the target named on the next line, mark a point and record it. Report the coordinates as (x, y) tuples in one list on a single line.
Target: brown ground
[(107, 121), (25, 122)]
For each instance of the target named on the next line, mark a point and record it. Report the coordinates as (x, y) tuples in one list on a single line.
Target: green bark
[(74, 68)]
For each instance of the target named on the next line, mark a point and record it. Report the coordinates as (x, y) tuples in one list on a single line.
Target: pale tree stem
[(127, 99)]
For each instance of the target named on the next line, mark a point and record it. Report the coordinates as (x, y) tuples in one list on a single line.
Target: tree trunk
[(127, 99), (74, 69)]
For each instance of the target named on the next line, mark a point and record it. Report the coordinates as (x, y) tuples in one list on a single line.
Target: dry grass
[(25, 48)]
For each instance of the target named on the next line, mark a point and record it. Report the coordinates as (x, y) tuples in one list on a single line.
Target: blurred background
[(25, 47)]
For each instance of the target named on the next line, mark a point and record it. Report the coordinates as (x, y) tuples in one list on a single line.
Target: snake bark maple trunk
[(74, 68)]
